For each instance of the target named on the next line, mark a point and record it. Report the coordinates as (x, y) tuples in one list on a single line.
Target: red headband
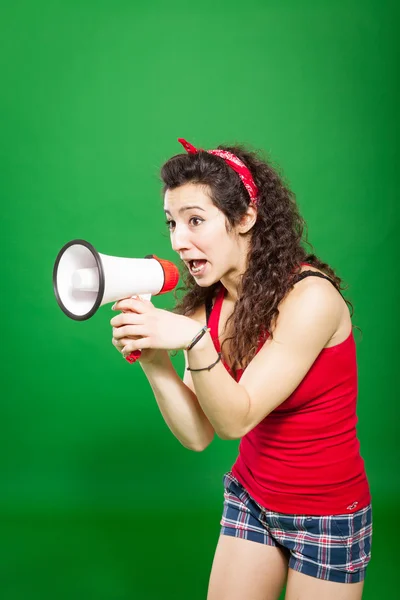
[(235, 163)]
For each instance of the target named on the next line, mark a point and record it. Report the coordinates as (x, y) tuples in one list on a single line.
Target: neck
[(232, 278), (231, 287)]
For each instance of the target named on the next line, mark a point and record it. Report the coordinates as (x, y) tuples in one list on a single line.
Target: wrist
[(158, 358), (201, 344), (195, 333)]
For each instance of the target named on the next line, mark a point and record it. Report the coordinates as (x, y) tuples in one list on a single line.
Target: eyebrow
[(181, 210)]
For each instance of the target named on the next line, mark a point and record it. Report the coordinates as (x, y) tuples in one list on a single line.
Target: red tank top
[(304, 457)]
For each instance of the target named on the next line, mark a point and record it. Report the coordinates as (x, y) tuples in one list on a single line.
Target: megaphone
[(84, 280)]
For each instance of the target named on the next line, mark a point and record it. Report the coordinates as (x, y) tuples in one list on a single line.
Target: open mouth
[(197, 266)]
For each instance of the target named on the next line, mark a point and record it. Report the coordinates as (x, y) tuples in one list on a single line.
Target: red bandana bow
[(235, 163)]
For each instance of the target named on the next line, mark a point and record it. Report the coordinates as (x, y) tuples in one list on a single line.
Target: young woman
[(271, 359)]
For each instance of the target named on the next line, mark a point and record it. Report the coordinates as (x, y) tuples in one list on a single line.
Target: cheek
[(208, 241), (214, 237)]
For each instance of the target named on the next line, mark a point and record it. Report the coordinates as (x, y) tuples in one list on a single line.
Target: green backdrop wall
[(97, 498)]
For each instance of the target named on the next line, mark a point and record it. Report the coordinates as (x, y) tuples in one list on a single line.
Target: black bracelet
[(209, 366), (198, 337)]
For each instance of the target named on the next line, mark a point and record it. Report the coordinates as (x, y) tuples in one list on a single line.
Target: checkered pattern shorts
[(332, 547)]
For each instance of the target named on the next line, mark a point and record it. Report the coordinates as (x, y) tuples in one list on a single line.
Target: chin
[(206, 284), (202, 283)]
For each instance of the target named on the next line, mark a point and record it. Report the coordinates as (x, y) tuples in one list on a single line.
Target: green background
[(97, 498)]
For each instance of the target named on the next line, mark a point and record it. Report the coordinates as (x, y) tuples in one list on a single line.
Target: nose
[(180, 239)]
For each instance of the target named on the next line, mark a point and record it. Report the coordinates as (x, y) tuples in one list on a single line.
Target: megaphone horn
[(84, 279)]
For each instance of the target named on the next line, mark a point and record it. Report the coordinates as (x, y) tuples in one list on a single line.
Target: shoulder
[(314, 287), (313, 295), (313, 305)]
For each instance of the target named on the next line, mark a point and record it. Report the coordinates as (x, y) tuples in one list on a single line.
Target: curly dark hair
[(276, 246)]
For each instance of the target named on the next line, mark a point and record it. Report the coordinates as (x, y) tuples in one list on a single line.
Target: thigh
[(246, 569), (304, 587), (329, 554)]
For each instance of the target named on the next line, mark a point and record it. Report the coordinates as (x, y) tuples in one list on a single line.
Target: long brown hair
[(276, 248)]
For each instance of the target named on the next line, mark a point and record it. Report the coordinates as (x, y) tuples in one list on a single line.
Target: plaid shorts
[(332, 547)]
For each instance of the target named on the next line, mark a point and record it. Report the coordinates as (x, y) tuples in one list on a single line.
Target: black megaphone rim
[(100, 293)]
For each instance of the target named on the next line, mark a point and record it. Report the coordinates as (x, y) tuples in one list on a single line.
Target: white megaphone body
[(84, 280)]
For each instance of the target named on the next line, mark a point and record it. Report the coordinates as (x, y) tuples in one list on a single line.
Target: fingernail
[(113, 306)]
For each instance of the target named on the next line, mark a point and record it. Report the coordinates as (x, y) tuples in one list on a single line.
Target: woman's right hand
[(120, 340)]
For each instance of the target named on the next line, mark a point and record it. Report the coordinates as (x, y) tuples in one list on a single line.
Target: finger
[(127, 318), (140, 344), (120, 344), (129, 331), (133, 304)]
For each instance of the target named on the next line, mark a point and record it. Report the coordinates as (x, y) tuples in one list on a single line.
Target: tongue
[(199, 263)]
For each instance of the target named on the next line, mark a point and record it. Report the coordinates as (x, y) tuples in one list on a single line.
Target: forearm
[(178, 404), (224, 401)]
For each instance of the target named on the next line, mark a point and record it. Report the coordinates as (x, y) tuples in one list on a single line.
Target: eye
[(170, 227)]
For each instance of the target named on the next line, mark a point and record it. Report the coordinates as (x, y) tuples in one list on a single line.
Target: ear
[(248, 219)]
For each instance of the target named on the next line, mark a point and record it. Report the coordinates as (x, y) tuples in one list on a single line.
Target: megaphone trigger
[(133, 356)]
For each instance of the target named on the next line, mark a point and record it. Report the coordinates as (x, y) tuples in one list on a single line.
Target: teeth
[(197, 269)]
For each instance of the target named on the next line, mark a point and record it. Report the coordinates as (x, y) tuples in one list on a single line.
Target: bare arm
[(178, 403), (307, 319), (176, 399)]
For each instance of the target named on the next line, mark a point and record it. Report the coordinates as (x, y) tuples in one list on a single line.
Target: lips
[(196, 267), (189, 261)]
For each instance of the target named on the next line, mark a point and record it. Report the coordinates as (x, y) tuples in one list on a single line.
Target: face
[(198, 232)]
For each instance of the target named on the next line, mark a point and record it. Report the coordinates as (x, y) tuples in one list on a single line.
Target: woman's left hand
[(152, 327)]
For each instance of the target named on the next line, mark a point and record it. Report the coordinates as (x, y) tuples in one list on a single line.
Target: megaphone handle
[(133, 356)]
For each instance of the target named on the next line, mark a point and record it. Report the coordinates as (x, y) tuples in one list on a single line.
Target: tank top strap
[(305, 274), (209, 308), (213, 314)]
